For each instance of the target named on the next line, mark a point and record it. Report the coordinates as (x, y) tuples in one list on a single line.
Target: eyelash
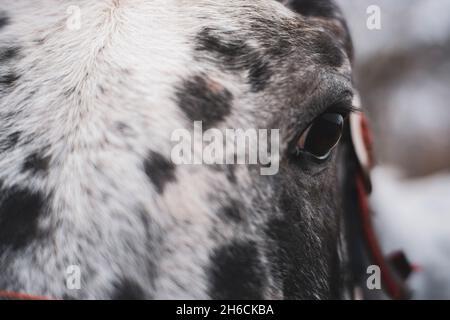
[(344, 109)]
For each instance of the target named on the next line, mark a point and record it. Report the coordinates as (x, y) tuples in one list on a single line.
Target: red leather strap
[(9, 295), (392, 283)]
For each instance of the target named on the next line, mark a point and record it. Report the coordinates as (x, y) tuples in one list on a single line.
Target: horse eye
[(322, 136)]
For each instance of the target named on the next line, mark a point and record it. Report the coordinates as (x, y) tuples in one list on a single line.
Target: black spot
[(9, 79), (20, 210), (10, 141), (315, 8), (8, 54), (232, 211), (69, 92), (230, 172), (128, 290), (204, 100), (159, 170), (102, 89), (36, 162), (259, 75), (236, 273), (233, 54), (4, 21), (40, 41), (228, 51), (123, 128), (228, 169), (325, 51)]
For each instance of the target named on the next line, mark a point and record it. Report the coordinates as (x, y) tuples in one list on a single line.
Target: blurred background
[(403, 74)]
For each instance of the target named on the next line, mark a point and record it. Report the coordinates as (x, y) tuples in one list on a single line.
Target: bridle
[(9, 295), (395, 268)]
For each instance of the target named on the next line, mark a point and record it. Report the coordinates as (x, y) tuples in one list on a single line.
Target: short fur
[(86, 118)]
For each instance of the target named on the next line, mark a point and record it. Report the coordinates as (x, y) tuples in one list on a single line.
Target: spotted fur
[(86, 178)]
